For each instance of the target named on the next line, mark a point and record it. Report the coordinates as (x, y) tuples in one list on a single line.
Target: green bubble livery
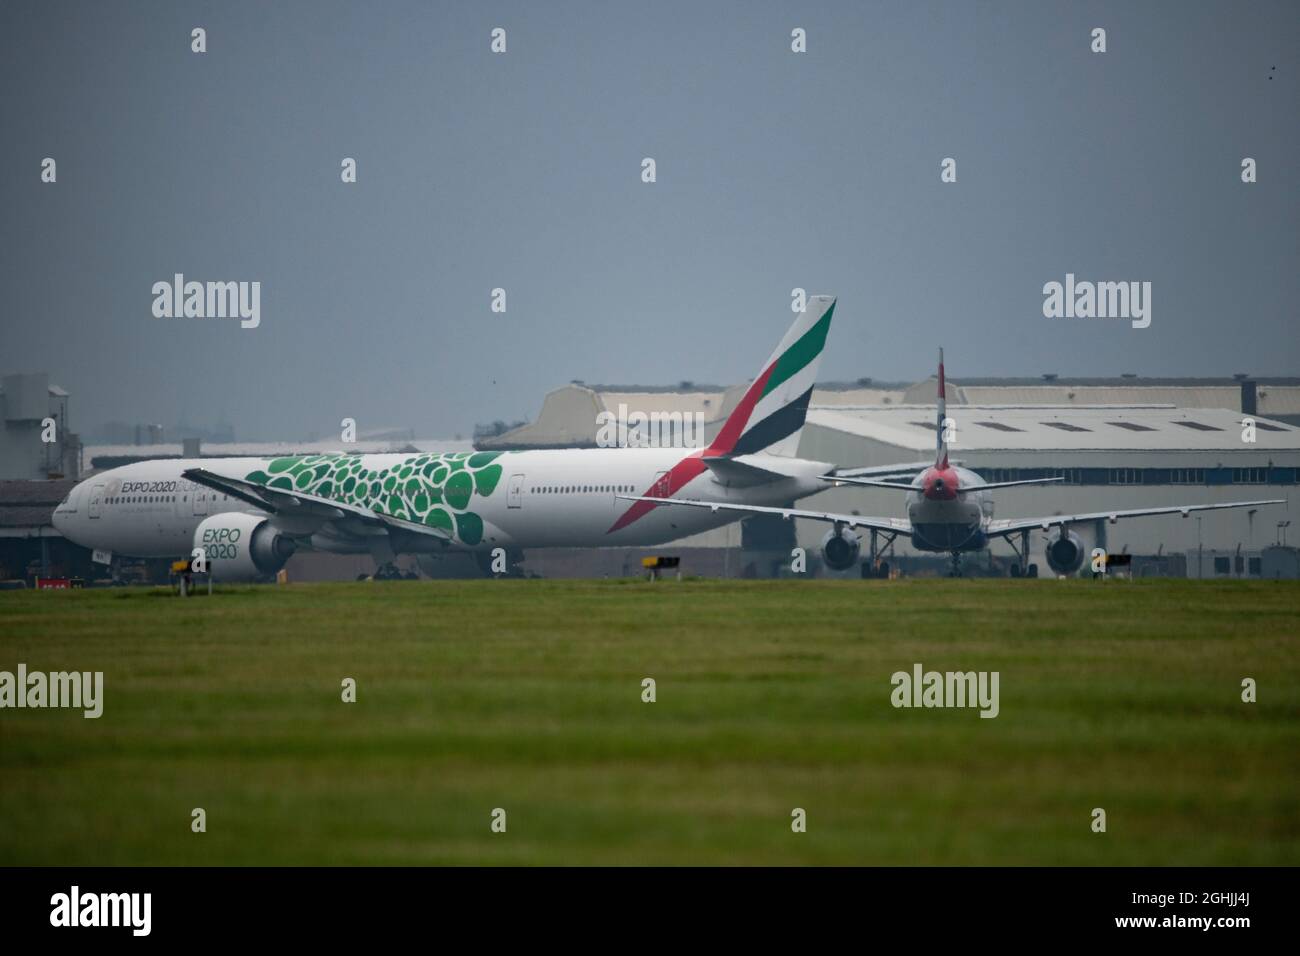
[(433, 489)]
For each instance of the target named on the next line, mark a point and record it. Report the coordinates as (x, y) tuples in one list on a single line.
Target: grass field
[(526, 695)]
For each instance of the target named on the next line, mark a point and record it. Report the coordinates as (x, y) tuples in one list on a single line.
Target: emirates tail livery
[(250, 514), (948, 510)]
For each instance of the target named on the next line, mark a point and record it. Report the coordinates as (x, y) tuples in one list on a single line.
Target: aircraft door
[(200, 494), (514, 493), (96, 499), (661, 488)]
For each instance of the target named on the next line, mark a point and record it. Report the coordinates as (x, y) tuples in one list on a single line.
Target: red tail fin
[(941, 443)]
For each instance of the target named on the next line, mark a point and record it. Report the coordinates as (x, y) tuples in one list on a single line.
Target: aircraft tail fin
[(940, 432), (771, 413)]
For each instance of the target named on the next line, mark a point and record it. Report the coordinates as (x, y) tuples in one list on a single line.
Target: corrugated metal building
[(1121, 442), (1112, 457)]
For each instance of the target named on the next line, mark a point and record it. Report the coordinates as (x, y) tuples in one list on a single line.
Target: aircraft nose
[(62, 516)]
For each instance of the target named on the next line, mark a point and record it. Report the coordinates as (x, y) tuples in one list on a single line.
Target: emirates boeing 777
[(249, 515)]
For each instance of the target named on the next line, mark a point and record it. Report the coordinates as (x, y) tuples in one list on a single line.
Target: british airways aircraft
[(948, 510)]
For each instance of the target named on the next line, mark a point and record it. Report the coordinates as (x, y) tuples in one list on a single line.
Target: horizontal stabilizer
[(885, 471), (1012, 484), (735, 473)]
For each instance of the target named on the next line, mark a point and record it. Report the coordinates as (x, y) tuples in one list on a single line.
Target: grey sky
[(775, 170)]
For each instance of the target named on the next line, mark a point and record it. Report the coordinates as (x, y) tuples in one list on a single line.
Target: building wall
[(1221, 531), (24, 402)]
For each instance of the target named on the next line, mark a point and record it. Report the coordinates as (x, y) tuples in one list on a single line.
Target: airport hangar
[(1119, 443), (1192, 452)]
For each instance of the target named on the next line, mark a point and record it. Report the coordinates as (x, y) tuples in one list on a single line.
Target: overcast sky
[(523, 171)]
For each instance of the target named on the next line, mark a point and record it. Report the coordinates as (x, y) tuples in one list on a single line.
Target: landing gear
[(876, 566), (956, 565), (391, 572), (1022, 569), (880, 570)]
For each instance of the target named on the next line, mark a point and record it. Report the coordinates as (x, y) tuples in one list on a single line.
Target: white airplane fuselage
[(550, 498), (948, 511)]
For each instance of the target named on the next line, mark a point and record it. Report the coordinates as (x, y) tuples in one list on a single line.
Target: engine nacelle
[(840, 549), (1065, 553), (242, 547)]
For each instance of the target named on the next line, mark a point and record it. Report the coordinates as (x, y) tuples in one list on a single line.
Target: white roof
[(687, 402), (1033, 427), (275, 449)]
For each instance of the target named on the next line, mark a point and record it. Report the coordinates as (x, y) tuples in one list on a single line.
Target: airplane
[(948, 510), (250, 515)]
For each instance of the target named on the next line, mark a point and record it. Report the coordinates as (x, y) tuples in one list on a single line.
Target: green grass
[(526, 695)]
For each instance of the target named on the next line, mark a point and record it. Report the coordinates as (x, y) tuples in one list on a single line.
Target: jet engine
[(1065, 553), (840, 549), (242, 547)]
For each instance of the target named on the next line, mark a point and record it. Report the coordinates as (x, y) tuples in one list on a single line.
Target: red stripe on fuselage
[(681, 475), (692, 466)]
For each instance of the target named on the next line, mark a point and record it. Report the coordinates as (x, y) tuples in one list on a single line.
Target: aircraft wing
[(308, 511), (868, 482), (1006, 526), (892, 525)]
